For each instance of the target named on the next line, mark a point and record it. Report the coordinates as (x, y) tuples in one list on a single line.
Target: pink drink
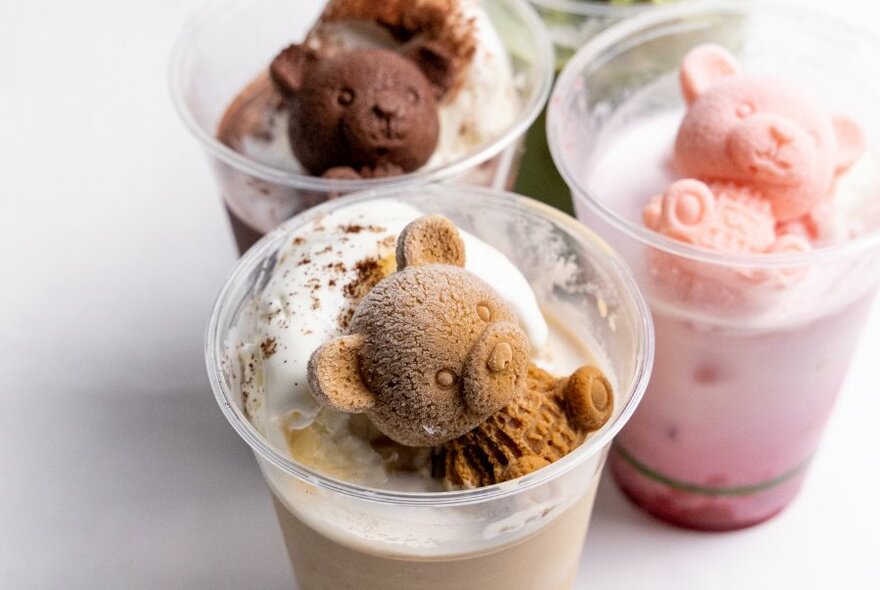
[(745, 375), (732, 418), (746, 371)]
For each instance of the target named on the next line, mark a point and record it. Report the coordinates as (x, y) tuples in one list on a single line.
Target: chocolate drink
[(369, 96)]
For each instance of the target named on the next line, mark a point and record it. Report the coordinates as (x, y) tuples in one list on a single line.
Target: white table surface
[(116, 467)]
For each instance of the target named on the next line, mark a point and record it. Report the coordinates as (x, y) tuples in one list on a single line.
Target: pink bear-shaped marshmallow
[(760, 132), (725, 217), (720, 216)]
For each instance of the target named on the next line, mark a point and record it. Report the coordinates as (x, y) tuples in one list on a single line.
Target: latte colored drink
[(359, 510), (546, 559)]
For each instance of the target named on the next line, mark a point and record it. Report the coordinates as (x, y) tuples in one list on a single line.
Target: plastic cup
[(230, 42), (525, 533), (571, 23), (751, 349)]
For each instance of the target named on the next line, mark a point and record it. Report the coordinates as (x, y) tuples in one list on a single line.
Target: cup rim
[(544, 61), (593, 445), (595, 7), (610, 38)]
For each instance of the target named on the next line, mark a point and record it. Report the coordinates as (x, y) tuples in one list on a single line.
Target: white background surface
[(116, 467)]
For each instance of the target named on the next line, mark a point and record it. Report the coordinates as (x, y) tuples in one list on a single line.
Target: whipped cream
[(311, 292), (855, 207), (487, 103)]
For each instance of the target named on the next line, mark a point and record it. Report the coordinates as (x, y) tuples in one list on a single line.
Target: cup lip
[(610, 38), (589, 8), (544, 60), (594, 444)]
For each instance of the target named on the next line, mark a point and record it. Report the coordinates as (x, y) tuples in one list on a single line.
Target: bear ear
[(431, 239), (703, 67), (686, 209), (434, 61), (335, 377), (589, 398), (851, 142), (288, 69)]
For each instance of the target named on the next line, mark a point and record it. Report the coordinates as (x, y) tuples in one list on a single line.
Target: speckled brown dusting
[(344, 319), (369, 273), (356, 228), (268, 347)]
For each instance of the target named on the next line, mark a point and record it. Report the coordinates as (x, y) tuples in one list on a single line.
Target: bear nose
[(501, 357), (781, 135), (387, 106)]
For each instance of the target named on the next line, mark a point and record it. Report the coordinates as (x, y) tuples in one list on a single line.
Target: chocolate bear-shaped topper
[(433, 350), (760, 132), (363, 112)]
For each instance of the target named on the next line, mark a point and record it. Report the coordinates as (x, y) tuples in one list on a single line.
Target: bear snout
[(389, 106), (772, 149), (373, 127)]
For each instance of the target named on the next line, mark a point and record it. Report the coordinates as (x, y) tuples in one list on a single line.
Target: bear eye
[(446, 378), (345, 97), (745, 109), (413, 96), (484, 311)]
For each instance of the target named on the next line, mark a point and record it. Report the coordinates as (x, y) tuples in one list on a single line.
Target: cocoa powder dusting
[(369, 273), (268, 347), (345, 318), (356, 228)]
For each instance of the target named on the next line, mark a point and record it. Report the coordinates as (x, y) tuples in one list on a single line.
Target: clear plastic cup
[(751, 349), (572, 23), (525, 533), (230, 42)]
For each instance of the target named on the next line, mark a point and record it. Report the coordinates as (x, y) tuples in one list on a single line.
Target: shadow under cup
[(751, 349), (231, 42), (525, 533)]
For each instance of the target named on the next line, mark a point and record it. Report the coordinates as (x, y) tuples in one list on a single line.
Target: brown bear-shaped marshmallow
[(543, 423), (362, 113), (433, 350)]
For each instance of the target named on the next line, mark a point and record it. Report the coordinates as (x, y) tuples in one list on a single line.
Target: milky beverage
[(385, 518), (519, 552), (746, 374), (546, 559)]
